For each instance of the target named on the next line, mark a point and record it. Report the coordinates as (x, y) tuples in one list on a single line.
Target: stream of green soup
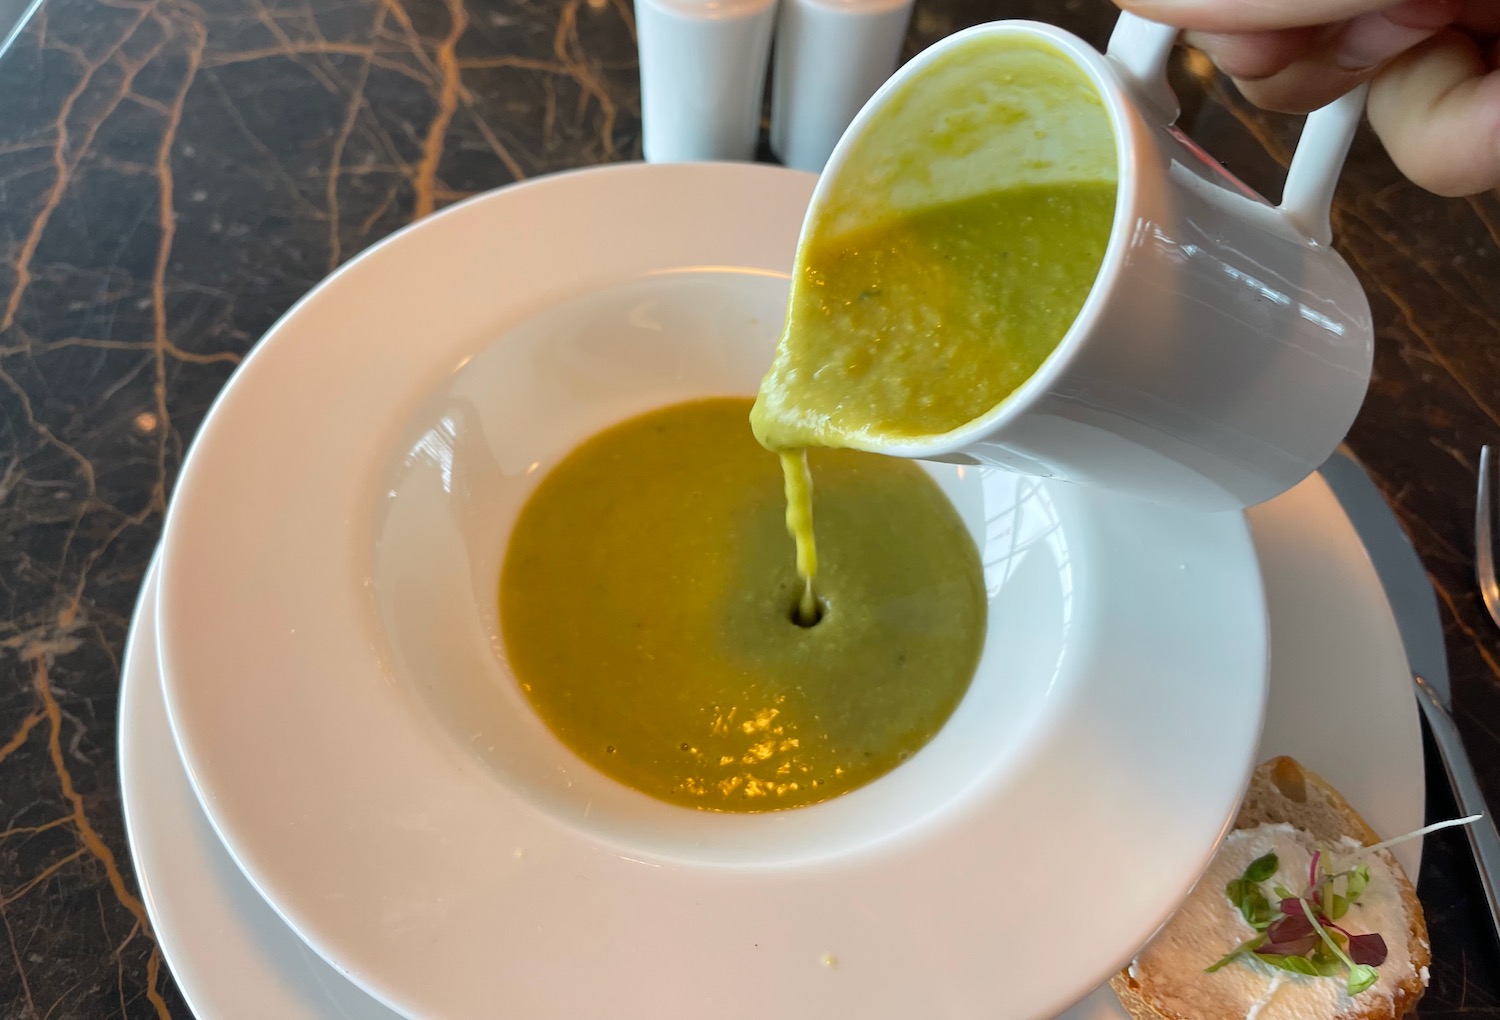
[(652, 607), (647, 602), (909, 322)]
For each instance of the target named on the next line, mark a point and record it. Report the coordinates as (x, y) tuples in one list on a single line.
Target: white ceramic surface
[(231, 956), (1224, 349), (339, 694), (830, 58), (1340, 701), (703, 76)]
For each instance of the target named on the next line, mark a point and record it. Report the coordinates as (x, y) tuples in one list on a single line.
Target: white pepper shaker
[(703, 77), (831, 56)]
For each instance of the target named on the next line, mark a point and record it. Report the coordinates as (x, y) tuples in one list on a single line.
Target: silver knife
[(1415, 606), (13, 17)]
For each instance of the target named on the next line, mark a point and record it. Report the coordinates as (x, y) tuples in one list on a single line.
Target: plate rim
[(161, 879), (201, 763)]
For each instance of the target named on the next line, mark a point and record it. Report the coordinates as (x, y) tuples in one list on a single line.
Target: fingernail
[(1371, 39), (1432, 14)]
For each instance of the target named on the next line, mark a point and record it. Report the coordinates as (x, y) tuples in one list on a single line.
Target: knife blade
[(1414, 604), (1397, 565), (14, 14)]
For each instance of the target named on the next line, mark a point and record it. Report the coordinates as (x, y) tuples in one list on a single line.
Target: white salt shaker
[(703, 76), (831, 56)]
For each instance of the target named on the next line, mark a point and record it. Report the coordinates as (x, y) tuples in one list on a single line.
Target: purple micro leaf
[(1295, 947), (1292, 926), (1292, 908), (1290, 936), (1367, 949)]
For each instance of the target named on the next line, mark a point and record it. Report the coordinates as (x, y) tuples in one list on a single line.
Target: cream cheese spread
[(1170, 971)]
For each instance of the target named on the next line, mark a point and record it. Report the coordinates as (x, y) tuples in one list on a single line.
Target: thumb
[(1437, 109)]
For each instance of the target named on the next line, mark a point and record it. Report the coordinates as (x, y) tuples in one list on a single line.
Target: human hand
[(1434, 88)]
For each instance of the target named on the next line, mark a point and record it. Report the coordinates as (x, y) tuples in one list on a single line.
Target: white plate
[(231, 956), (337, 688), (1340, 702)]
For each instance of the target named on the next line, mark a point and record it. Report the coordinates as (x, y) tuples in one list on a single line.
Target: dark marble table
[(175, 173)]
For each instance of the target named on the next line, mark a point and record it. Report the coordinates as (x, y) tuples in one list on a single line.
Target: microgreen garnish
[(1309, 965), (1361, 976), (1357, 878), (1298, 932), (1292, 935), (1366, 851), (1368, 949), (1249, 945), (1262, 868), (1252, 903)]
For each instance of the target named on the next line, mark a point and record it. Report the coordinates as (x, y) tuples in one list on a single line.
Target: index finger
[(1268, 15)]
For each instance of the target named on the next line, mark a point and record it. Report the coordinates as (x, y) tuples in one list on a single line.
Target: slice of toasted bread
[(1283, 792)]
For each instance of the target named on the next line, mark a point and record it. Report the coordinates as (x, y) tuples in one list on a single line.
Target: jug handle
[(1140, 50)]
